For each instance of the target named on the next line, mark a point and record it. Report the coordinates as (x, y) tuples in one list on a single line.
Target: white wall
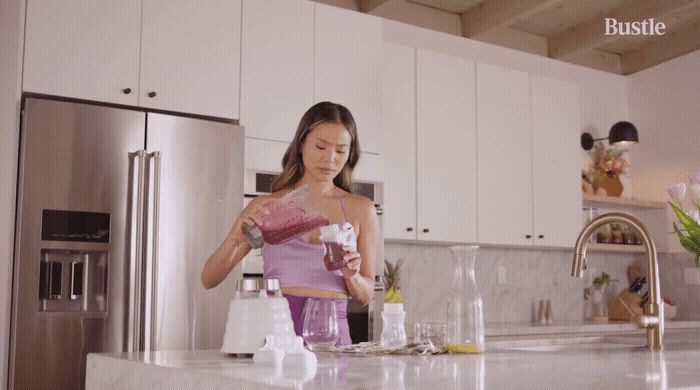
[(665, 108), (12, 21)]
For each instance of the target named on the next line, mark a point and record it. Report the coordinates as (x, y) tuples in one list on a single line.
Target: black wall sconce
[(621, 133)]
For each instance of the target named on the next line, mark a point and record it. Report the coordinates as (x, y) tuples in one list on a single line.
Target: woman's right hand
[(250, 215), (235, 246)]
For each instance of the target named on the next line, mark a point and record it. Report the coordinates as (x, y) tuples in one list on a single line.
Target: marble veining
[(531, 275)]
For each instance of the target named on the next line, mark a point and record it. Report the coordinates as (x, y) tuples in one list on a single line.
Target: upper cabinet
[(347, 67), (190, 56), (446, 148), (556, 168), (398, 141), (529, 183), (86, 49), (277, 75), (152, 53), (428, 143), (505, 165)]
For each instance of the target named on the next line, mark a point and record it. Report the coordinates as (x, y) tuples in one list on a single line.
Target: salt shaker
[(548, 312), (542, 313)]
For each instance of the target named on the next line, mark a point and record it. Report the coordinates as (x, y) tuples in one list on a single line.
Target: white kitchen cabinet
[(428, 142), (178, 57), (398, 141), (86, 49), (504, 155), (347, 67), (277, 76), (369, 168), (556, 183), (446, 148), (263, 155), (529, 179), (190, 56)]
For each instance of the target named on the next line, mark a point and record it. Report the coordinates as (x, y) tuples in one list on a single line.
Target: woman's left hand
[(353, 260)]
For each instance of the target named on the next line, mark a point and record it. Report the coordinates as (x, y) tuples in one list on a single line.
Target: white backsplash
[(531, 275)]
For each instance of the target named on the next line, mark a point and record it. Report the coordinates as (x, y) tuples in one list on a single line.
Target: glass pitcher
[(465, 314)]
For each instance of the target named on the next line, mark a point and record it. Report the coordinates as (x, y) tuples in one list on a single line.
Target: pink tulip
[(694, 214), (694, 178), (694, 192), (677, 192)]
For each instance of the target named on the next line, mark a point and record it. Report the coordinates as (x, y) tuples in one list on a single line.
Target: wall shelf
[(616, 248), (622, 203), (596, 247)]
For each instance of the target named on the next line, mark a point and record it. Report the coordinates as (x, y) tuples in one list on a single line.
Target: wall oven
[(364, 321)]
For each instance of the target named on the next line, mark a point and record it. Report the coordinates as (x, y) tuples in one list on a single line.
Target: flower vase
[(600, 304), (612, 185)]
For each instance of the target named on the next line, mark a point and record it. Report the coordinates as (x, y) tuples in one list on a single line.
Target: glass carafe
[(465, 314)]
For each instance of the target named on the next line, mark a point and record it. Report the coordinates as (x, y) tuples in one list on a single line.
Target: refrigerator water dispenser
[(72, 280)]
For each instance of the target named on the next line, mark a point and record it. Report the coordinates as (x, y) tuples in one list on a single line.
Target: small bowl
[(433, 331)]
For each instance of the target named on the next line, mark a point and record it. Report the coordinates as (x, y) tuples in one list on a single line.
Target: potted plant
[(598, 297), (392, 290)]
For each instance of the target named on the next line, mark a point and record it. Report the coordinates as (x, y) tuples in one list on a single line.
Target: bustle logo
[(644, 27)]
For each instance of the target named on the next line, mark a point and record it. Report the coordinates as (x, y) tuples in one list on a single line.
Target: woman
[(322, 155)]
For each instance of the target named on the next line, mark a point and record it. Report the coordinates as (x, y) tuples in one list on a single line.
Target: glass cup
[(435, 332), (321, 330)]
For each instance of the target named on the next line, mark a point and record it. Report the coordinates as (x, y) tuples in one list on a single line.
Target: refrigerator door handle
[(135, 287), (152, 326)]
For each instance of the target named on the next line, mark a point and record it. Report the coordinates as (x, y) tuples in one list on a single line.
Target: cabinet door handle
[(426, 230), (528, 236), (126, 91), (152, 94), (541, 236), (409, 229)]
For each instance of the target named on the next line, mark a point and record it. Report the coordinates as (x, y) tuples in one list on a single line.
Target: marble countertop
[(605, 363)]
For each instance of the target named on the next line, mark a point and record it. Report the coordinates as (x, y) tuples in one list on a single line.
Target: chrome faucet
[(653, 319)]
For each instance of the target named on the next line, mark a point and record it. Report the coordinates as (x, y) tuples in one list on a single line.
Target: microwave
[(259, 183)]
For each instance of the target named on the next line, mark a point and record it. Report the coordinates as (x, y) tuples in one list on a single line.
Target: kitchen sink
[(597, 343)]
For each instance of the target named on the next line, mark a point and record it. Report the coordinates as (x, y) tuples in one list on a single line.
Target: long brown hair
[(292, 162)]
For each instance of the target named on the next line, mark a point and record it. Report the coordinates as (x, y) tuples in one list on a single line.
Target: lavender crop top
[(299, 263)]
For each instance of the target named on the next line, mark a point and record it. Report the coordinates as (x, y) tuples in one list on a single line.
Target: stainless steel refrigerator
[(118, 210)]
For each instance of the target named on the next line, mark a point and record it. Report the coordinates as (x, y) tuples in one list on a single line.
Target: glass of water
[(321, 330)]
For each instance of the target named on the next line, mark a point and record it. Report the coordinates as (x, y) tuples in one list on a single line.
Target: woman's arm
[(361, 284), (222, 261), (234, 247)]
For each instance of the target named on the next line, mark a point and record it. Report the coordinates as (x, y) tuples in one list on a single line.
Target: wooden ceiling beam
[(493, 14), (591, 34), (671, 45), (368, 5)]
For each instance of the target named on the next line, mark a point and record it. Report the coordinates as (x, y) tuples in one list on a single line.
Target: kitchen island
[(595, 363)]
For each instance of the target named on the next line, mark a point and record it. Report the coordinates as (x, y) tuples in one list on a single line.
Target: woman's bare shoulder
[(359, 205)]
